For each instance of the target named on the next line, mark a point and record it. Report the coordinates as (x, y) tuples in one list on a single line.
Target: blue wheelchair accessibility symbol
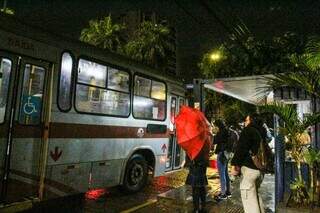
[(30, 109)]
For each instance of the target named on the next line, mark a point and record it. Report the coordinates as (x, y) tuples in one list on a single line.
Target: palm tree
[(305, 73), (311, 157), (105, 34), (150, 44), (293, 130)]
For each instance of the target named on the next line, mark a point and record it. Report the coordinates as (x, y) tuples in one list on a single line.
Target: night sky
[(197, 31)]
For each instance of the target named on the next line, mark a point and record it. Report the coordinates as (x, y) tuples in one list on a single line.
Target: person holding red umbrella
[(197, 178), (193, 134)]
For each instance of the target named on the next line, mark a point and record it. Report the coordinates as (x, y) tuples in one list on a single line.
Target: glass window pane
[(92, 73), (115, 103), (64, 98), (158, 90), (32, 95), (5, 71), (118, 80), (142, 86), (148, 108), (173, 109), (159, 109), (181, 103), (100, 101)]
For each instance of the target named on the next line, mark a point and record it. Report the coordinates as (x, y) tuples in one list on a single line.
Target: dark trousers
[(199, 194)]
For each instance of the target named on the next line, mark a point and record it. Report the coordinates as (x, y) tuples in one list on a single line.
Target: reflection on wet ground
[(169, 194), (114, 200)]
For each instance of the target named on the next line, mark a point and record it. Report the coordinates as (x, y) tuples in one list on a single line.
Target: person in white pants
[(249, 186), (242, 162)]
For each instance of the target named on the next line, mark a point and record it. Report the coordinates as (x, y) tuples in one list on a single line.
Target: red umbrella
[(192, 131)]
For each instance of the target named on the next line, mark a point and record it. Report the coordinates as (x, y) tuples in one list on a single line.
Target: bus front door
[(175, 155), (22, 94)]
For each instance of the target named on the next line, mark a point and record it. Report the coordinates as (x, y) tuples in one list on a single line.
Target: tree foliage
[(253, 57), (306, 70), (150, 44), (259, 57), (293, 130), (104, 34), (226, 108), (7, 10)]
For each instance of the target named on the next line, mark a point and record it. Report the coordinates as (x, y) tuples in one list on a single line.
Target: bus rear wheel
[(136, 174)]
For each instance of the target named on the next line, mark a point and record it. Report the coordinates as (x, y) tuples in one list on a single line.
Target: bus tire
[(136, 174)]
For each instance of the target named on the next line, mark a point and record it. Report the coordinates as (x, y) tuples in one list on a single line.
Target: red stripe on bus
[(21, 131), (26, 131), (67, 130)]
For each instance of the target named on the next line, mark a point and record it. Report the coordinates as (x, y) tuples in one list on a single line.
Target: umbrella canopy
[(192, 131)]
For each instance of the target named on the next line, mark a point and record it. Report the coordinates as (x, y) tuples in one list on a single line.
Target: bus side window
[(65, 82), (119, 89), (5, 70), (102, 89), (149, 99)]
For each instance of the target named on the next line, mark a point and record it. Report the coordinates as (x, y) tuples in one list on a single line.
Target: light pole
[(4, 5)]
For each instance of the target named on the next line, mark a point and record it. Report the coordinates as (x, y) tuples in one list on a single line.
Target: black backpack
[(232, 140)]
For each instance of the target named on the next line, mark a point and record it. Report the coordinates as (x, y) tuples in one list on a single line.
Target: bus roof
[(38, 34)]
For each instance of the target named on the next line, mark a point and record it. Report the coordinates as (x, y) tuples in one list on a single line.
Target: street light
[(215, 56)]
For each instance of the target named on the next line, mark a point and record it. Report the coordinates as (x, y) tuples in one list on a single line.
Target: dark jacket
[(221, 140), (249, 141), (198, 169)]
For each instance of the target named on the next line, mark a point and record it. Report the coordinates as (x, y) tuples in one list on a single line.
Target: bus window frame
[(9, 85), (165, 100), (105, 88), (71, 83)]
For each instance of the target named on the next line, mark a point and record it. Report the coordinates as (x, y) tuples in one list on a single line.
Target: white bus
[(74, 117)]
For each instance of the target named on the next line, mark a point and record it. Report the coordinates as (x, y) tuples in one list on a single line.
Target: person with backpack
[(231, 144), (242, 163), (220, 139)]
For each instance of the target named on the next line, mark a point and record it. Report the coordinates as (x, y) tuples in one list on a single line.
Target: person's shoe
[(216, 198), (222, 197), (229, 195)]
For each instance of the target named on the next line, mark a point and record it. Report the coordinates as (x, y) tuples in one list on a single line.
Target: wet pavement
[(164, 194), (180, 200), (170, 194), (114, 200)]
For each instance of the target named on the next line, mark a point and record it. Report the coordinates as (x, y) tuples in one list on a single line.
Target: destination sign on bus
[(17, 43)]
